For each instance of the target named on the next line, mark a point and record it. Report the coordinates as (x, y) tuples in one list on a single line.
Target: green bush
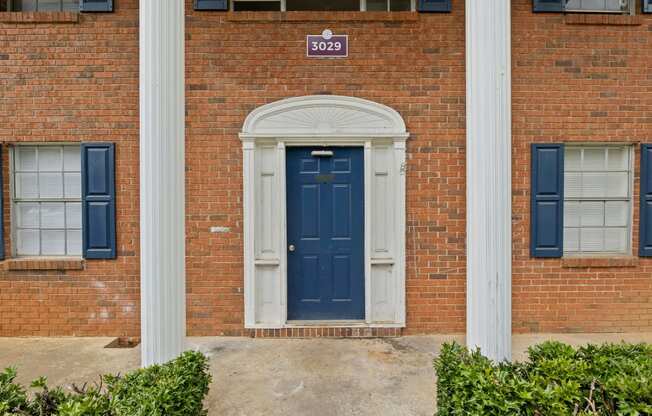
[(176, 388), (556, 380)]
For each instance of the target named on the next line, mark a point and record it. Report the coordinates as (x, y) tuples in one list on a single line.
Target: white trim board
[(329, 121)]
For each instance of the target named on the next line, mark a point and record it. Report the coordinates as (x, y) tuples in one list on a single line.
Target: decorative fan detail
[(324, 115)]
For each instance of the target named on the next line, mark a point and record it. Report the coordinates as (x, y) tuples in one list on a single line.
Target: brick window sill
[(39, 17), (322, 16), (44, 263), (598, 262), (603, 19)]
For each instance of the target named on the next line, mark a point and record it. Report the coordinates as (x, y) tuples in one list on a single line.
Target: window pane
[(26, 185), (28, 242), (572, 214), (71, 159), (53, 243), (321, 5), (618, 159), (571, 239), (73, 215), (594, 159), (573, 185), (49, 159), (23, 5), (592, 239), (617, 185), (74, 241), (616, 239), (594, 5), (25, 158), (72, 185), (49, 5), (377, 5), (257, 6), (594, 185), (52, 215), (573, 159), (70, 5), (50, 185), (592, 214), (400, 5), (616, 214), (27, 215)]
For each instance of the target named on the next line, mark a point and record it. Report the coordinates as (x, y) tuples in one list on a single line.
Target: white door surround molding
[(323, 120)]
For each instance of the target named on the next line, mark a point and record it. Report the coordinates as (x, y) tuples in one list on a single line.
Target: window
[(46, 200), (597, 199), (321, 5), (602, 6), (41, 5)]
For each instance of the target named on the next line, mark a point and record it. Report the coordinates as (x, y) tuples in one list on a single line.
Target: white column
[(488, 158), (162, 188)]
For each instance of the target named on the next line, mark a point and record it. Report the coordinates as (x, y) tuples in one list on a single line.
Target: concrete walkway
[(318, 377)]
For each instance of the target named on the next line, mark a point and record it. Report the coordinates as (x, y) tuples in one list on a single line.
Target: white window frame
[(13, 200), (363, 4), (629, 9), (10, 7), (630, 200)]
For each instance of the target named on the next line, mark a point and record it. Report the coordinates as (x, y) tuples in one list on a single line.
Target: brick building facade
[(576, 79)]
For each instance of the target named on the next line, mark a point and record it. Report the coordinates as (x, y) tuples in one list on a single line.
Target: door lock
[(291, 247)]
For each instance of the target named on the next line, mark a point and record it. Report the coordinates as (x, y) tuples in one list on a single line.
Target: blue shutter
[(645, 237), (211, 5), (547, 205), (98, 200), (96, 5), (2, 211), (434, 6), (548, 5), (647, 6)]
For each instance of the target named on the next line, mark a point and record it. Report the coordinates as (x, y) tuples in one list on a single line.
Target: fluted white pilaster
[(488, 150), (162, 189)]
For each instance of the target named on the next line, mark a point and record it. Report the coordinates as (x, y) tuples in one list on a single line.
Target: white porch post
[(162, 189), (488, 158)]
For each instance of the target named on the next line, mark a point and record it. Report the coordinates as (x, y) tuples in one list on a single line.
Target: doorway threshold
[(343, 323)]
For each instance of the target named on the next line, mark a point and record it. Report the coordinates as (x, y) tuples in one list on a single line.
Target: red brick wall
[(414, 64), (578, 83), (571, 82), (72, 82)]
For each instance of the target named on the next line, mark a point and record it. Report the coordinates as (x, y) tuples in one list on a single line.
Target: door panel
[(325, 210)]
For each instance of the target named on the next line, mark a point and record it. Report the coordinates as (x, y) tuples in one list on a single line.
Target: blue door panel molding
[(325, 210)]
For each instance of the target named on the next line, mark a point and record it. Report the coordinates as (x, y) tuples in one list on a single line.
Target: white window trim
[(631, 9), (12, 200), (323, 120), (630, 234), (10, 4)]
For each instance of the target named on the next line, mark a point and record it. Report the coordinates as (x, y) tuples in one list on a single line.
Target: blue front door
[(325, 214)]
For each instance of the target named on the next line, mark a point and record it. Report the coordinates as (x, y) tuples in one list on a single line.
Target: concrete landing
[(252, 377)]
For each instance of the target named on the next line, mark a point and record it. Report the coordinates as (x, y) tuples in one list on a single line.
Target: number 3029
[(325, 46)]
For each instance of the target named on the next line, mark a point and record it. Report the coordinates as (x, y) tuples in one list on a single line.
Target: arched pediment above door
[(324, 115)]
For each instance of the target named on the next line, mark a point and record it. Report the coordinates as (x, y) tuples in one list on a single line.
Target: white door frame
[(323, 121)]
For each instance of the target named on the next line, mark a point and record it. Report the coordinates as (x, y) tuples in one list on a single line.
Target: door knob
[(291, 247)]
